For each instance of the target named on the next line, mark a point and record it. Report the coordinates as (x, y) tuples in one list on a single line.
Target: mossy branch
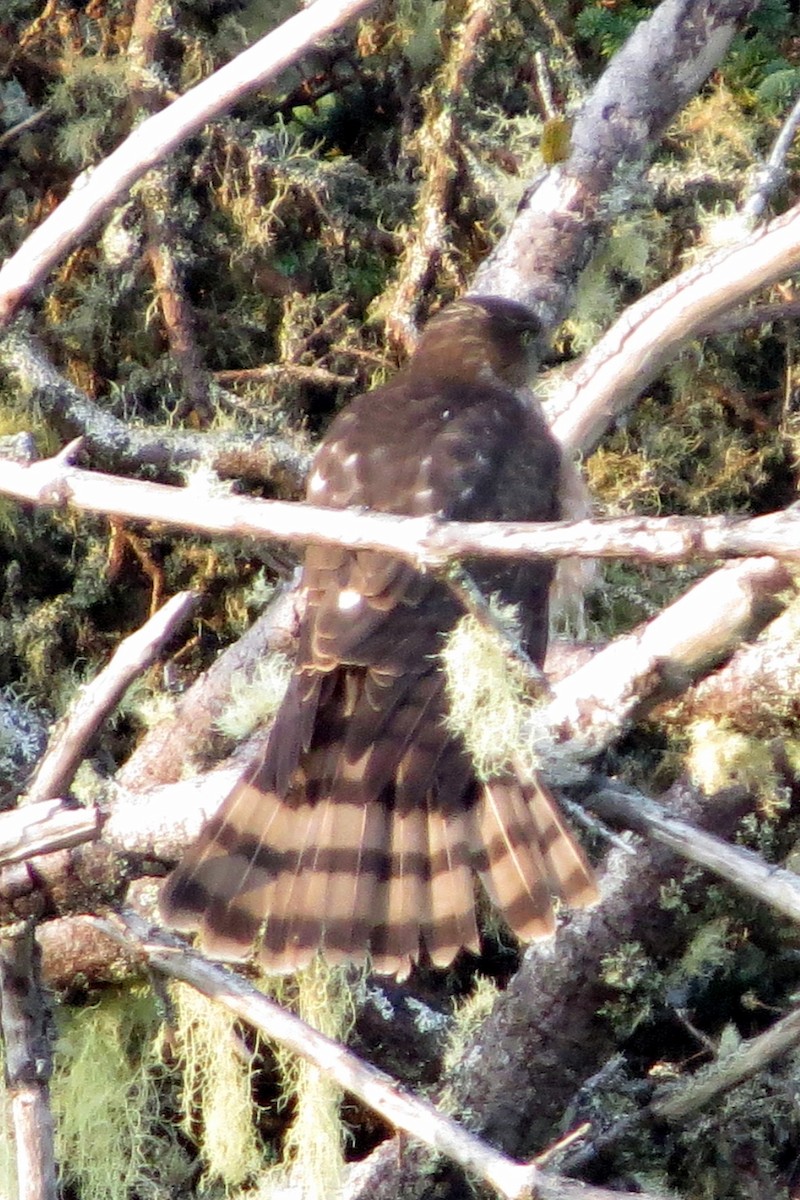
[(435, 144), (119, 444), (680, 1101)]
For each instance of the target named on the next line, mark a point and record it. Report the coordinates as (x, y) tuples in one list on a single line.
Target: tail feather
[(405, 894), (525, 855), (452, 923), (351, 900), (510, 862), (567, 867), (221, 884)]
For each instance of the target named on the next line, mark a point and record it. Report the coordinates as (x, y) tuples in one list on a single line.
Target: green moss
[(255, 701), (635, 982), (720, 757), (469, 1014), (91, 87)]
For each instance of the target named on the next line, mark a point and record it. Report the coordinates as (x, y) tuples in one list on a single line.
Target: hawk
[(361, 829)]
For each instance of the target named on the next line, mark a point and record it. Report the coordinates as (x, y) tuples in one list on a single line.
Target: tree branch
[(628, 808), (116, 443), (596, 703), (426, 542), (552, 235), (650, 332), (96, 190), (74, 732), (440, 1133), (25, 1024)]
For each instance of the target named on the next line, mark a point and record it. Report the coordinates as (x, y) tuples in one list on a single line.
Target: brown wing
[(363, 826)]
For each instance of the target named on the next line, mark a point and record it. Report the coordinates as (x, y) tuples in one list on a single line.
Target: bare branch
[(649, 333), (45, 827), (598, 701), (75, 731), (28, 1063), (746, 870), (95, 191), (427, 542)]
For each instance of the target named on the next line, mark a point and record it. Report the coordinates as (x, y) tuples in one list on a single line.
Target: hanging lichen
[(313, 1146), (216, 1096), (105, 1099)]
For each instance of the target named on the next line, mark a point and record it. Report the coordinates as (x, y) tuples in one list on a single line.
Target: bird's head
[(480, 339)]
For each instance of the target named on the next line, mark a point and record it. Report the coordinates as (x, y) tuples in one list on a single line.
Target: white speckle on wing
[(316, 482), (348, 599)]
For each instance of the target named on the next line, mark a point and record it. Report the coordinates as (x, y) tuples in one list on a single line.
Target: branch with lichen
[(178, 741), (156, 201), (549, 1013), (677, 1102), (123, 446), (435, 1130)]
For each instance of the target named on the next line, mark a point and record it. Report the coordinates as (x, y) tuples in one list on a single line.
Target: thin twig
[(283, 370), (747, 318), (729, 1071), (773, 173), (72, 735), (23, 126)]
